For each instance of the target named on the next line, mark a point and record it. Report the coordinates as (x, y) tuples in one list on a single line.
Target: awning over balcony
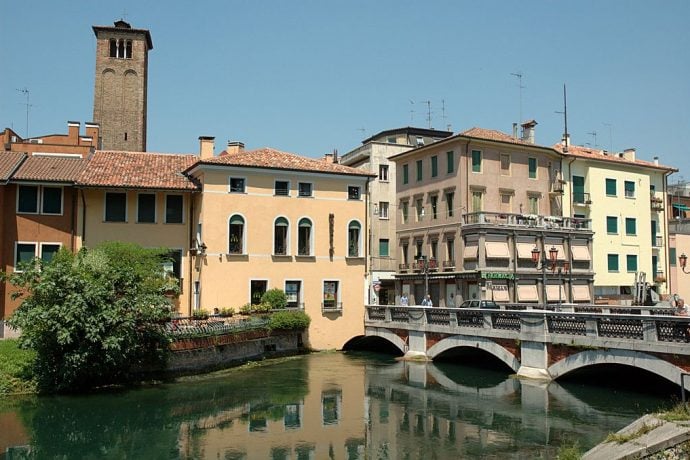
[(552, 293), (581, 293), (527, 293), (500, 292), (471, 251), (497, 250), (580, 253), (525, 250)]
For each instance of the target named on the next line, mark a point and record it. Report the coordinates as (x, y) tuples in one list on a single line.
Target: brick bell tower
[(119, 100)]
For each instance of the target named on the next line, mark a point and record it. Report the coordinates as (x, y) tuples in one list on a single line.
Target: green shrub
[(227, 311), (276, 298), (200, 314), (290, 320), (15, 368), (263, 307), (246, 308)]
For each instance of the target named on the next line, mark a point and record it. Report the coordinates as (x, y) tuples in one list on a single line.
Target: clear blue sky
[(312, 76)]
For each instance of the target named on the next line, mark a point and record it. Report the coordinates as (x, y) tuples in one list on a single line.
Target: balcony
[(558, 187), (658, 241), (448, 265), (581, 199), (657, 202), (527, 221), (403, 267)]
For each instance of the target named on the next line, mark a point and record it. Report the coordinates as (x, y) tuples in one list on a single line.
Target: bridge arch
[(482, 343), (388, 335), (630, 358)]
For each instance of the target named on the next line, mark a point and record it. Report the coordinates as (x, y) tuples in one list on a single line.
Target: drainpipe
[(367, 270), (73, 229), (667, 265), (190, 263), (83, 216)]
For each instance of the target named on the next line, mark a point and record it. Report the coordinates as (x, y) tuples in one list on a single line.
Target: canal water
[(353, 405)]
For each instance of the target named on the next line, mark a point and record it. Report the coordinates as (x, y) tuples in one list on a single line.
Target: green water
[(322, 406)]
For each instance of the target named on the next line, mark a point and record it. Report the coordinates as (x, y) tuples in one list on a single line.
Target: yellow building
[(625, 199), (142, 198), (269, 219)]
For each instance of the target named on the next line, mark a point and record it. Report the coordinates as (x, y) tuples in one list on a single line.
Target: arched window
[(113, 47), (236, 235), (280, 236), (354, 230), (304, 237)]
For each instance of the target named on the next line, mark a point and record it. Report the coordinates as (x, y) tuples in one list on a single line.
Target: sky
[(312, 76)]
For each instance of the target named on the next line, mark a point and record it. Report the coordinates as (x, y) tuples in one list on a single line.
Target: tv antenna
[(26, 91), (428, 112), (518, 74), (411, 111), (594, 135), (566, 141), (610, 126), (363, 131)]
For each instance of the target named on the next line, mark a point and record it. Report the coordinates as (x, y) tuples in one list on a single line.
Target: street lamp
[(553, 264), (683, 260), (423, 263)]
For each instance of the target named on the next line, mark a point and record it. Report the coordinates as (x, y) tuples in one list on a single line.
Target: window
[(533, 204), (331, 295), (383, 210), (383, 247), (120, 49), (629, 189), (450, 249), (24, 254), (476, 161), (280, 236), (672, 256), (304, 237), (392, 140), (293, 293), (610, 187), (506, 202), (419, 208), (305, 189), (579, 189), (405, 253), (383, 173), (353, 239), (406, 174), (613, 262), (353, 192), (449, 203), (434, 249), (282, 188), (173, 209), (630, 226), (236, 235), (418, 249), (172, 263), (404, 210), (532, 164), (611, 224), (237, 185), (420, 141), (434, 206), (420, 170), (631, 262), (115, 207), (434, 166), (27, 199), (505, 164), (128, 49), (477, 201), (257, 290), (450, 162), (52, 200), (48, 251), (146, 208)]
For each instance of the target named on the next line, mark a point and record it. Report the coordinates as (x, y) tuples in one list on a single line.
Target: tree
[(93, 317)]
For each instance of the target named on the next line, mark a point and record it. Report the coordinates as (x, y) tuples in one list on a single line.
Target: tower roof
[(124, 27)]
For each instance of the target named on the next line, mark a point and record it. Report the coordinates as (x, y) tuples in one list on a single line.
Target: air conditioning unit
[(35, 141)]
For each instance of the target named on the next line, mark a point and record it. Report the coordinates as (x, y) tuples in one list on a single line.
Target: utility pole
[(565, 121), (25, 91)]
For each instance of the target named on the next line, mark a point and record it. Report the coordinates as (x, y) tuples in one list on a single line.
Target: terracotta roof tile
[(9, 162), (601, 155), (494, 135), (50, 169), (138, 170), (276, 159)]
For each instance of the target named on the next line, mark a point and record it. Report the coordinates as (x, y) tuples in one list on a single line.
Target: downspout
[(73, 230), (667, 265), (83, 216), (190, 263), (367, 270)]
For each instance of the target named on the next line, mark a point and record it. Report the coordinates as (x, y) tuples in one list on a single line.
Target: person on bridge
[(403, 300), (427, 302)]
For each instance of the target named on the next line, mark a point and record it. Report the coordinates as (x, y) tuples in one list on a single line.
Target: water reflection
[(318, 407)]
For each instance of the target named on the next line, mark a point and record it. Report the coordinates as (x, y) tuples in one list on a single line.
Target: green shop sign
[(497, 276)]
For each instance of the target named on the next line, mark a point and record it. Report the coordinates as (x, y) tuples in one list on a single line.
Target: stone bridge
[(541, 344)]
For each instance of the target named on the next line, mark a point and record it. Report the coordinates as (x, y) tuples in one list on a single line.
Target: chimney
[(565, 142), (656, 161), (515, 131), (629, 154), (73, 132), (528, 131), (328, 157), (234, 147), (93, 131), (206, 147)]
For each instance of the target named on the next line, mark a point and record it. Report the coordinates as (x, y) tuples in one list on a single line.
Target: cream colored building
[(269, 219), (625, 198)]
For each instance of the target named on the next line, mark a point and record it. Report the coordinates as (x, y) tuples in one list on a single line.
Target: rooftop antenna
[(518, 74), (594, 135), (411, 111), (363, 131), (565, 120), (26, 91), (610, 126), (428, 112), (443, 110)]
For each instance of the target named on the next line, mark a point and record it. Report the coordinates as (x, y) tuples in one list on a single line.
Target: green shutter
[(672, 256), (420, 170), (631, 261), (630, 226), (476, 161), (532, 168), (406, 174), (611, 187), (611, 224), (613, 262), (450, 162), (383, 248), (578, 189), (434, 166)]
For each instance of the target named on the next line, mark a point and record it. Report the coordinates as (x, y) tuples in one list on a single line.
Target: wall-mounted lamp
[(683, 261)]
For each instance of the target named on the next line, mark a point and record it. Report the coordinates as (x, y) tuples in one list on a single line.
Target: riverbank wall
[(205, 354)]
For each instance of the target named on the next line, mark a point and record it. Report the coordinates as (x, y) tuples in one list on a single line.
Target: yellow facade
[(227, 276)]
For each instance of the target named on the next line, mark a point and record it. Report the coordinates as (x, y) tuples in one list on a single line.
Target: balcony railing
[(403, 267), (527, 220), (658, 241), (657, 202), (448, 264), (330, 305), (581, 198)]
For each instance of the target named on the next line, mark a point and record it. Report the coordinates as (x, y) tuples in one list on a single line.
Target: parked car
[(480, 304)]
